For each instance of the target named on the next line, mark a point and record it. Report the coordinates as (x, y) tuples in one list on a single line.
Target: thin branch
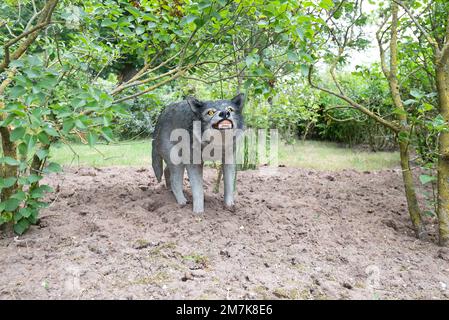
[(379, 36), (429, 38), (136, 83), (30, 22), (157, 85), (10, 31), (26, 33), (30, 35), (394, 127), (145, 70)]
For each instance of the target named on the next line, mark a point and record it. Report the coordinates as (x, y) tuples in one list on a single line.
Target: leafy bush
[(341, 124)]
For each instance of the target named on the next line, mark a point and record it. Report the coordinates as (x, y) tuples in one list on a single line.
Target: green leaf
[(429, 213), (51, 131), (106, 121), (252, 60), (409, 101), (5, 216), (11, 204), (107, 22), (189, 19), (416, 93), (68, 125), (30, 141), (32, 178), (17, 133), (18, 216), (204, 4), (43, 137), (9, 161), (23, 149), (326, 4), (36, 194), (53, 167), (21, 226), (16, 92), (33, 216), (92, 138), (107, 133), (8, 182), (424, 178), (292, 56), (48, 83), (399, 111), (34, 60), (427, 106), (80, 125), (140, 30), (42, 153), (17, 64), (19, 195)]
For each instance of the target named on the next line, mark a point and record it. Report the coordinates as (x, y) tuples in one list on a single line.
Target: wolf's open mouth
[(223, 124)]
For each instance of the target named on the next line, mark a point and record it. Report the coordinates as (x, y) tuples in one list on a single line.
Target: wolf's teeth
[(224, 124)]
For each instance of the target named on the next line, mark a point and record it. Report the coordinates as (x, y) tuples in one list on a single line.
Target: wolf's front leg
[(229, 177), (176, 180), (195, 173)]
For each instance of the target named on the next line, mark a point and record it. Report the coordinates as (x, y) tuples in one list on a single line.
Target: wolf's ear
[(195, 104), (239, 101)]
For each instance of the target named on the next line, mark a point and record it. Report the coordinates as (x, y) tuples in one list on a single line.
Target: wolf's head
[(220, 114)]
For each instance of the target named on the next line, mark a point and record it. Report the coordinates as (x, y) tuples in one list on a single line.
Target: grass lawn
[(330, 156), (135, 153), (308, 154)]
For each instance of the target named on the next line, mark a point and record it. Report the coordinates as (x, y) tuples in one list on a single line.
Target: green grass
[(330, 156), (135, 153), (309, 154)]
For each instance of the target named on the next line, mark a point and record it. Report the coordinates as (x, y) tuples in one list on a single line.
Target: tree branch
[(136, 83), (394, 127), (444, 56), (379, 37), (30, 35), (429, 38), (153, 87)]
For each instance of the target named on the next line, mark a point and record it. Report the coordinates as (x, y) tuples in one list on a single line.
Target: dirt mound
[(299, 234)]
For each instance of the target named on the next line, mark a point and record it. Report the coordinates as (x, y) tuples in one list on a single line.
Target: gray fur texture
[(221, 116)]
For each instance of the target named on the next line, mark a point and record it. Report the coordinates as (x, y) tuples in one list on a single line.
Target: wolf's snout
[(224, 114)]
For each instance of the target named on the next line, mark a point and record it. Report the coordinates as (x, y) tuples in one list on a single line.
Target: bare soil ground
[(300, 234)]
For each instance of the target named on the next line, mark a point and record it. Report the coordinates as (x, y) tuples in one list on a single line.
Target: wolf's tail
[(156, 160)]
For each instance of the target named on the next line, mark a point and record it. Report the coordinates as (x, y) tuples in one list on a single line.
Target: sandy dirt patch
[(300, 234)]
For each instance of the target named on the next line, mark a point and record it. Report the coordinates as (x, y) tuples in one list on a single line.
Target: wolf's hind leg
[(176, 180), (167, 178)]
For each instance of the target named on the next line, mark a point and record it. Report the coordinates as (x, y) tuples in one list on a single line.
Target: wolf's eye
[(231, 109), (211, 112)]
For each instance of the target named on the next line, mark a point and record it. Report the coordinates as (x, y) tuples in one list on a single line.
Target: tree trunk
[(409, 187), (412, 202), (442, 74), (9, 150), (8, 171)]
